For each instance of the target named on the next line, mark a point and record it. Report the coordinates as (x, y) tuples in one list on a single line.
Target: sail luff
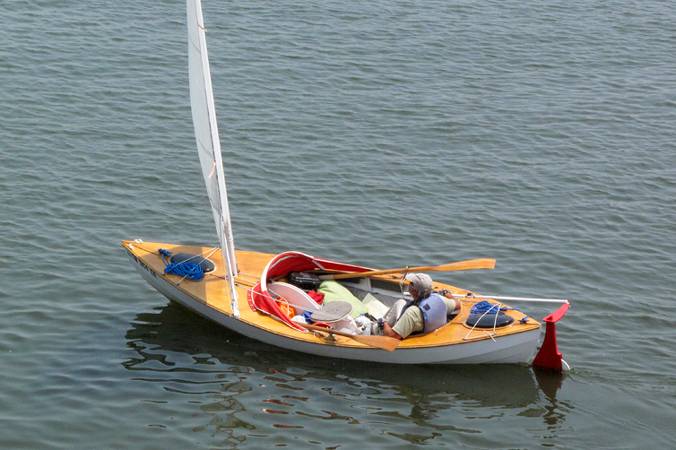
[(213, 125), (208, 142)]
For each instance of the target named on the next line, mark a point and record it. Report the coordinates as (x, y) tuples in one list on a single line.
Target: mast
[(208, 142)]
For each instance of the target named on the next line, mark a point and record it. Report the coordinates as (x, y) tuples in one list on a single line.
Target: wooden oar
[(470, 264), (383, 342)]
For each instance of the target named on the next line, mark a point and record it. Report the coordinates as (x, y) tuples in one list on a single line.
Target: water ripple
[(383, 133)]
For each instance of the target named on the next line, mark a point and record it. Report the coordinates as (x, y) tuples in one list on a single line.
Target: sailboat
[(254, 293)]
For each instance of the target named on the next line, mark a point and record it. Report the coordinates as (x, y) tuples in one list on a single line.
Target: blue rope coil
[(487, 308), (186, 269)]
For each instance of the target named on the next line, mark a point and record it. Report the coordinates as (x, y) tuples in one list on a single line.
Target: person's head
[(420, 285)]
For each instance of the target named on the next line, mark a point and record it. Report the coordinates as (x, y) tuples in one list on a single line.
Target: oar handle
[(326, 330), (343, 276)]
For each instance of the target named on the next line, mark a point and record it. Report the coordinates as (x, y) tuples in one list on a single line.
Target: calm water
[(382, 133)]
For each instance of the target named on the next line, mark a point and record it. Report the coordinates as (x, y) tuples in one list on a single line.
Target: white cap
[(421, 282)]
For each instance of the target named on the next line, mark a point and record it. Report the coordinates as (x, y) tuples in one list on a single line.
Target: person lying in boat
[(426, 312)]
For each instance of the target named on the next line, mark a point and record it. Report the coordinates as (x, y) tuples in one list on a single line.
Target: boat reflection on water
[(299, 388)]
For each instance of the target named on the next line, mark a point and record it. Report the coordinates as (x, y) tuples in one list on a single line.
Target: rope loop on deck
[(186, 269)]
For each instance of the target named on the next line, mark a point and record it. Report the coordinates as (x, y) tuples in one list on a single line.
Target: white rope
[(498, 305), (211, 252), (497, 314)]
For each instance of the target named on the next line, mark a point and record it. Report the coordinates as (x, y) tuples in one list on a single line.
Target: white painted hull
[(512, 349)]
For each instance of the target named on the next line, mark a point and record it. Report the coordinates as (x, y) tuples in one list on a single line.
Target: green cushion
[(334, 291)]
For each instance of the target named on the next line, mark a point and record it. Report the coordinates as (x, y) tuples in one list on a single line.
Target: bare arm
[(388, 331)]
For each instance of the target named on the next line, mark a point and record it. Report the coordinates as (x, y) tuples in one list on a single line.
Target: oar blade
[(382, 342), (470, 264)]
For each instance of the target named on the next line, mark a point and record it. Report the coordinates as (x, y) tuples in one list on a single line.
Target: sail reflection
[(244, 386)]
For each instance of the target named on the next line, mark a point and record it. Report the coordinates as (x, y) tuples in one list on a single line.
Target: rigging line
[(212, 125), (173, 215), (204, 258), (194, 45), (211, 250), (209, 253), (482, 316), (495, 321), (402, 281), (197, 256), (204, 148)]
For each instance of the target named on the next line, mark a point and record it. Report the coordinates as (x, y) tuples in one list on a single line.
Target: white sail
[(206, 135)]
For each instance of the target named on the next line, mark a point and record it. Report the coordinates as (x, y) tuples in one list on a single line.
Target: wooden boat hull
[(514, 348)]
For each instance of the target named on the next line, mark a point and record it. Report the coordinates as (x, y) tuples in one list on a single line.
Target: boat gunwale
[(304, 336), (522, 345)]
